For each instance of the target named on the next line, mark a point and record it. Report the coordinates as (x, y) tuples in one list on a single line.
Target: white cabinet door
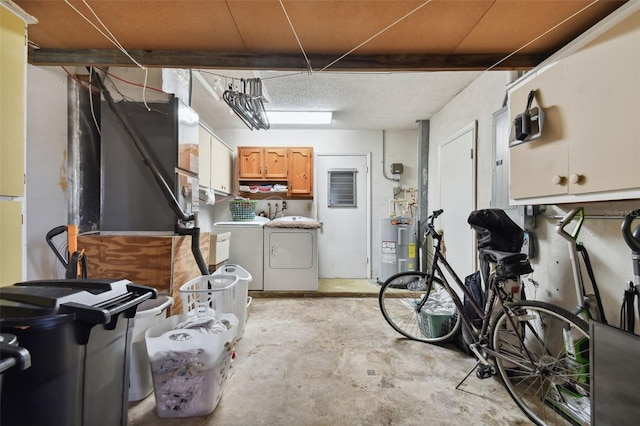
[(221, 160), (604, 112), (539, 168), (204, 174)]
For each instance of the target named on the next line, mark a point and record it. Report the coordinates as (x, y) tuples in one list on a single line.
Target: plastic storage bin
[(209, 294), (149, 313), (189, 368), (242, 300), (78, 333)]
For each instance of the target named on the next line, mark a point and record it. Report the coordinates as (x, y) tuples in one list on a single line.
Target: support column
[(83, 163), (423, 182)]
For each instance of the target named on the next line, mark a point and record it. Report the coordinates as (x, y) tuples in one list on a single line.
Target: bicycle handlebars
[(631, 238)]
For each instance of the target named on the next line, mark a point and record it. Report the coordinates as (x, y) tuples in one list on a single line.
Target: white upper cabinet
[(216, 160), (590, 144)]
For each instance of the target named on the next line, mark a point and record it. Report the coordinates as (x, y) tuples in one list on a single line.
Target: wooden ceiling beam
[(283, 62)]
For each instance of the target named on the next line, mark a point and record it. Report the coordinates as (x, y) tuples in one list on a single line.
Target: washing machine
[(291, 254), (246, 246)]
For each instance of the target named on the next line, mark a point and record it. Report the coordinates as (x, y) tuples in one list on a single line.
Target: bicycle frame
[(494, 294)]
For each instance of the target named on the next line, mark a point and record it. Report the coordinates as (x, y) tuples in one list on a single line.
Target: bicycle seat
[(501, 256)]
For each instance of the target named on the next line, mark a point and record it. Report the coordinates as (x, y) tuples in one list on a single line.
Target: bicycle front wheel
[(401, 301), (544, 362)]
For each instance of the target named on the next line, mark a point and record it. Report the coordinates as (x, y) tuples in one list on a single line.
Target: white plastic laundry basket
[(209, 294), (189, 367), (149, 313), (241, 302)]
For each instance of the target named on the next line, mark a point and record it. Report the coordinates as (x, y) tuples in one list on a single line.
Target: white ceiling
[(359, 101)]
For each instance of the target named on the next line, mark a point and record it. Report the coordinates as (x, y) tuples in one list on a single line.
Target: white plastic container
[(149, 312), (210, 294), (242, 299), (189, 368)]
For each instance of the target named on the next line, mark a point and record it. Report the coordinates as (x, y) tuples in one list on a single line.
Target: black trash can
[(78, 333)]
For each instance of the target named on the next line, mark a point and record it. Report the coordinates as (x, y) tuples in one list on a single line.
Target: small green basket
[(243, 209)]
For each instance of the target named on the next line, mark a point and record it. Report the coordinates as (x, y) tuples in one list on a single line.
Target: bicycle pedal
[(484, 371)]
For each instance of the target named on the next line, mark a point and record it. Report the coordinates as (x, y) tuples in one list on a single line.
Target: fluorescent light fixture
[(299, 117)]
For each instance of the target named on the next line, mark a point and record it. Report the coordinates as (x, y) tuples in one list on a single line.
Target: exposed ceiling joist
[(270, 61)]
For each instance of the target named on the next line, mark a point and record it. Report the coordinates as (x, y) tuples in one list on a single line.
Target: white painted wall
[(46, 198), (400, 147)]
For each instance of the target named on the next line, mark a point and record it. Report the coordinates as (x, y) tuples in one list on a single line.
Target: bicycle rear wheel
[(435, 321), (544, 362)]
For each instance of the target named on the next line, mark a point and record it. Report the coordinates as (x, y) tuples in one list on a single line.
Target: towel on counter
[(305, 224)]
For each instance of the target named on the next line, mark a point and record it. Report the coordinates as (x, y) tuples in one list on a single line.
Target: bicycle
[(539, 350)]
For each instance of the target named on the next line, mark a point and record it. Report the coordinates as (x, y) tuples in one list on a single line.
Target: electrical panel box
[(397, 168)]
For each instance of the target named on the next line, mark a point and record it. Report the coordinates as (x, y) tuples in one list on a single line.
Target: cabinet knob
[(576, 178), (558, 180)]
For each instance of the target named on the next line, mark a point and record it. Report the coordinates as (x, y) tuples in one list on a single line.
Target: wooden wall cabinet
[(300, 171), (258, 163), (589, 148), (215, 163), (292, 167)]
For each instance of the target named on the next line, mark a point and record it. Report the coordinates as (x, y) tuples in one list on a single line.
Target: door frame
[(367, 197)]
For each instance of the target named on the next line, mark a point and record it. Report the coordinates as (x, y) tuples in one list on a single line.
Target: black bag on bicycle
[(495, 230), (473, 283)]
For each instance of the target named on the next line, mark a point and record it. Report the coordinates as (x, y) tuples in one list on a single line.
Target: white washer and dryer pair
[(280, 255)]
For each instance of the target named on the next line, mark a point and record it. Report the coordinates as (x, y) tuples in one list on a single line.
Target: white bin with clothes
[(242, 300), (149, 313), (190, 358)]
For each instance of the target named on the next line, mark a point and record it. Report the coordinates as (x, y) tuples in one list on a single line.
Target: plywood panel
[(185, 267), (145, 260), (162, 262), (323, 27)]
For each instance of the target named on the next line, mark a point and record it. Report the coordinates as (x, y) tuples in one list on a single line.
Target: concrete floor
[(335, 361)]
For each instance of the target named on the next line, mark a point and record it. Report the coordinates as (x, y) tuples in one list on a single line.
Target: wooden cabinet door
[(275, 163), (250, 163), (300, 171)]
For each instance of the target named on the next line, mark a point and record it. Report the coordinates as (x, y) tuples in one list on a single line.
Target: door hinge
[(471, 153)]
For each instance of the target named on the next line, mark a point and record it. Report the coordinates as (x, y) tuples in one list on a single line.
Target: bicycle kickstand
[(468, 374)]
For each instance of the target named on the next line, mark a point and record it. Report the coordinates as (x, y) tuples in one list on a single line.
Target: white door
[(458, 198), (343, 240)]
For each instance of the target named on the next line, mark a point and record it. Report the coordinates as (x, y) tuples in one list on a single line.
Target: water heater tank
[(398, 248)]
